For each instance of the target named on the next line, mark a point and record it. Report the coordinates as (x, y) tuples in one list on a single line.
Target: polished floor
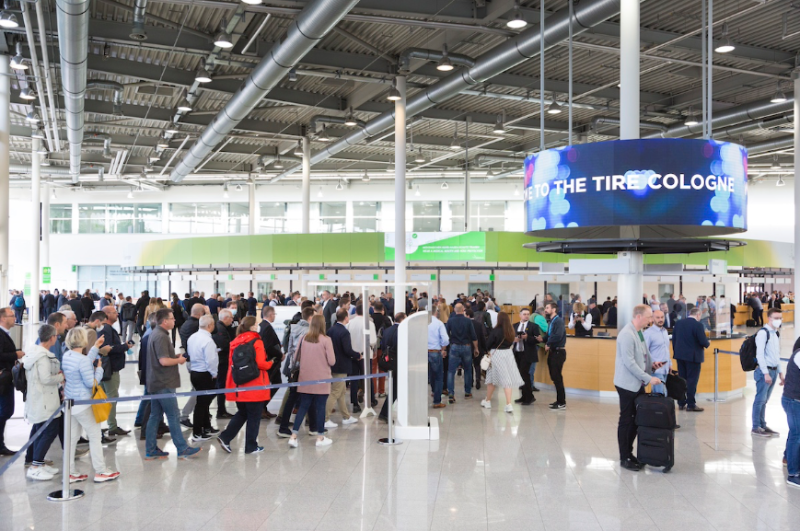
[(534, 469)]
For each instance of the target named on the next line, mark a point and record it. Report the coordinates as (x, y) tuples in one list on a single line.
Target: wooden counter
[(744, 312), (590, 366)]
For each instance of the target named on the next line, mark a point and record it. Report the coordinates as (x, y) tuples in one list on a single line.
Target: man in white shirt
[(768, 355), (203, 352), (657, 339), (654, 304)]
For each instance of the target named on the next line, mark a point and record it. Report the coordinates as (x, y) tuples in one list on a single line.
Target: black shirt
[(460, 330), (496, 340)]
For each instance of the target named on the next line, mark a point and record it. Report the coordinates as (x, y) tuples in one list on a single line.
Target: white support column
[(306, 185), (400, 189), (45, 247), (629, 70), (36, 272), (253, 208), (629, 287), (796, 76), (5, 128), (467, 208)]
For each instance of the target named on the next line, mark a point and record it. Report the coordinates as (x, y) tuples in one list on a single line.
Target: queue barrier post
[(716, 375), (390, 441), (66, 494)]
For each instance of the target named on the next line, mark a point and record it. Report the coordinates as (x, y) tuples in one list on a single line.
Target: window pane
[(365, 225), (238, 218), (421, 208), (273, 210), (120, 219), (61, 226), (148, 211), (60, 211), (426, 224), (486, 208), (332, 209), (92, 219), (365, 209)]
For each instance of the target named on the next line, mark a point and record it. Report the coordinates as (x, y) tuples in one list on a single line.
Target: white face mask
[(776, 323)]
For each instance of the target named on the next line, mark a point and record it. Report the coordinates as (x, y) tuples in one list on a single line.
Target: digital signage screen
[(668, 187)]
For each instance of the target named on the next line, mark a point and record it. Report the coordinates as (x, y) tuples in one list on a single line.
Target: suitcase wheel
[(667, 469)]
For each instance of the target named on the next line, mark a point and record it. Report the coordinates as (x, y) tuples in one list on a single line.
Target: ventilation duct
[(311, 25), (433, 55), (97, 84), (105, 139), (73, 39), (611, 120), (321, 119), (511, 53), (777, 144), (139, 10)]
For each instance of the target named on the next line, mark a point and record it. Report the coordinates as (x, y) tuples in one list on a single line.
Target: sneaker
[(49, 469), (329, 424), (486, 404), (793, 481), (445, 392), (200, 438), (760, 432), (38, 473), (284, 434), (556, 406), (293, 442), (772, 433), (158, 454), (118, 431), (80, 452), (187, 423), (222, 444), (508, 408), (77, 478), (349, 420), (451, 399), (189, 452), (468, 395), (439, 406), (258, 450), (324, 442), (211, 431), (108, 476), (83, 440)]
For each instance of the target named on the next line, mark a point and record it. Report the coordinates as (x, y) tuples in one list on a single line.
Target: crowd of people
[(223, 345)]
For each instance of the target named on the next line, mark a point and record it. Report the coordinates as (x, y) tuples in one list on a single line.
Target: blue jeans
[(308, 401), (532, 372), (459, 354), (435, 373), (792, 408), (168, 407), (763, 392), (140, 411), (46, 438)]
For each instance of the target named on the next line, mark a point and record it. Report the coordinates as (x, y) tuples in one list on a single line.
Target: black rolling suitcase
[(750, 323), (655, 419)]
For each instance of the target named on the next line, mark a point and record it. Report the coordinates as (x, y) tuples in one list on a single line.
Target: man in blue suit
[(689, 342)]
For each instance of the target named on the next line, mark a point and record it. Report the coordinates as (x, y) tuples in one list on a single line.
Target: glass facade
[(366, 216), (61, 219), (332, 217), (115, 218), (427, 216), (484, 215)]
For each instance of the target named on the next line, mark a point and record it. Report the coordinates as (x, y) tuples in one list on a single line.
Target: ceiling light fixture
[(444, 64), (172, 129), (416, 192), (18, 62), (8, 20), (32, 117), (238, 187), (292, 75), (490, 172), (780, 182), (225, 190), (37, 132), (278, 165), (298, 150), (691, 118), (252, 2), (516, 189), (779, 96), (185, 105), (499, 125), (776, 166), (554, 108), (27, 93), (726, 45), (106, 52), (350, 120), (163, 143), (516, 22), (445, 186), (323, 135), (202, 75), (130, 194), (339, 186), (365, 177), (319, 193), (455, 145), (419, 157), (223, 39), (45, 160), (394, 94)]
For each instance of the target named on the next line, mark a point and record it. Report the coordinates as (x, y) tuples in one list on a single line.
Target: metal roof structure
[(352, 67)]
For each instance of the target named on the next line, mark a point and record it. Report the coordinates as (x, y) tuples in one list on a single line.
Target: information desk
[(744, 312), (590, 366)]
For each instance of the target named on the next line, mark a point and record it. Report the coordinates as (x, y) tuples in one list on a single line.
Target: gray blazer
[(633, 360)]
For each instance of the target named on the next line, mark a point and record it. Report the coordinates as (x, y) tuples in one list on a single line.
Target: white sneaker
[(349, 420), (324, 442), (38, 473), (508, 408), (293, 442), (329, 424), (50, 469), (486, 404)]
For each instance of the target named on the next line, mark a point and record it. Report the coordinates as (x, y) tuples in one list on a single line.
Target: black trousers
[(476, 367), (202, 381), (384, 414), (248, 413), (555, 363), (222, 378), (758, 317), (690, 371), (525, 360), (626, 431)]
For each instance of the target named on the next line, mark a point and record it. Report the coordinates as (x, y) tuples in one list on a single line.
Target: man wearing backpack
[(128, 312), (18, 303), (768, 356)]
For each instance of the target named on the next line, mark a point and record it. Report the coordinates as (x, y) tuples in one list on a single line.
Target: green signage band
[(45, 275)]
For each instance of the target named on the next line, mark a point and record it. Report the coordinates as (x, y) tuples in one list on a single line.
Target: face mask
[(233, 312), (776, 323)]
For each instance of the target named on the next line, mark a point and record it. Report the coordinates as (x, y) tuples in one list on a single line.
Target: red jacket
[(263, 364)]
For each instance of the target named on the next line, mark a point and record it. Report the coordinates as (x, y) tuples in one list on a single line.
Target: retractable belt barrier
[(717, 352), (67, 494)]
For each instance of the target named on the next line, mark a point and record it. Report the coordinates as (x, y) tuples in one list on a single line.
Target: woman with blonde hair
[(580, 320), (503, 371), (82, 372), (315, 357)]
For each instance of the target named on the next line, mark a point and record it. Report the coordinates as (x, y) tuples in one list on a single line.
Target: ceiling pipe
[(37, 77), (139, 11), (487, 158), (51, 98), (73, 45), (599, 121), (165, 21), (752, 126), (776, 144), (511, 53), (745, 113), (310, 26), (404, 62), (97, 84), (105, 139), (322, 119)]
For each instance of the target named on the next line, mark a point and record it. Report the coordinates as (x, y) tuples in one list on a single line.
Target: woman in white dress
[(503, 371)]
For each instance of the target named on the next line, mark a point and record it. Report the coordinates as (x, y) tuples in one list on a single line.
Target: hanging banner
[(439, 246)]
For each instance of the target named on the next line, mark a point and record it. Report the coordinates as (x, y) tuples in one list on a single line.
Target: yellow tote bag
[(101, 411)]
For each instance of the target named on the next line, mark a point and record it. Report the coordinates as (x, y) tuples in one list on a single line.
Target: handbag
[(676, 386), (101, 411), (486, 362), (295, 375)]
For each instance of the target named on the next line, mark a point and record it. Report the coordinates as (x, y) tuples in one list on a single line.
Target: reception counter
[(744, 312), (590, 366)]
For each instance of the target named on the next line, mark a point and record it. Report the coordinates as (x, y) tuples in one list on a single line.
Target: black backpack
[(387, 361), (747, 352), (243, 363), (20, 378), (287, 332)]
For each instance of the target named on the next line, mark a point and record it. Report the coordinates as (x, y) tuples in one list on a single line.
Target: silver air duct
[(433, 55), (322, 119), (97, 84), (73, 39), (776, 144), (611, 120), (311, 25), (137, 31), (737, 115), (511, 53)]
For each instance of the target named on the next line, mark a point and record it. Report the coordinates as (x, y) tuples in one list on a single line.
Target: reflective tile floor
[(534, 469)]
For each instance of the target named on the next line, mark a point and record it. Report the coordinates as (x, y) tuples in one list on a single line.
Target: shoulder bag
[(101, 411), (295, 375), (486, 361)]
